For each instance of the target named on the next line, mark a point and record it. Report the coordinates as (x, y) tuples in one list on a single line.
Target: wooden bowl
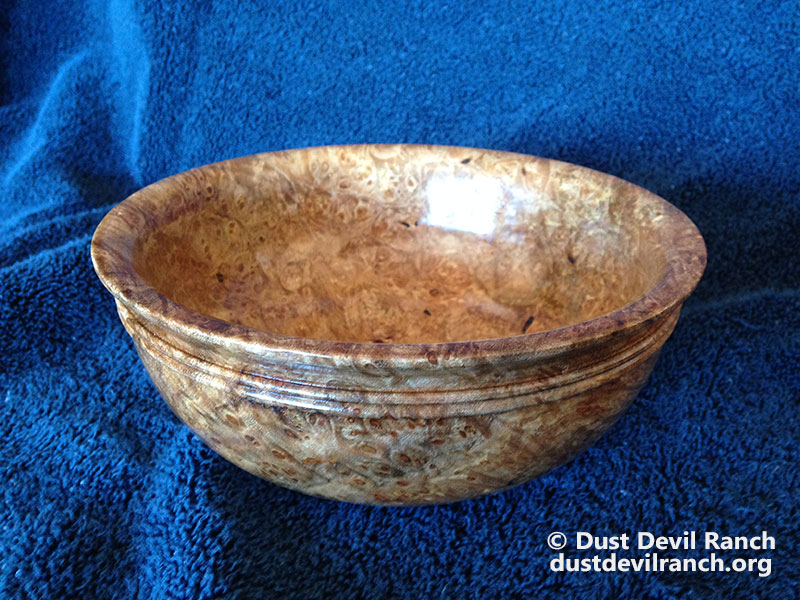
[(397, 324)]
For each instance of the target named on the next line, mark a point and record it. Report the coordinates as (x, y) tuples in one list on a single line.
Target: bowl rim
[(114, 239)]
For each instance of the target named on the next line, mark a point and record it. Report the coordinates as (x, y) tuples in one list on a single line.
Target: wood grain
[(397, 324)]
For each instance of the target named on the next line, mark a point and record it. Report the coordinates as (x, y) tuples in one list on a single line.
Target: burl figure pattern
[(397, 324)]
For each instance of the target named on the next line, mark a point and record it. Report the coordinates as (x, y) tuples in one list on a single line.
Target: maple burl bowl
[(395, 324)]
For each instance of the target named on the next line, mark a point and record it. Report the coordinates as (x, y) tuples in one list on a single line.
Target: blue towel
[(105, 494)]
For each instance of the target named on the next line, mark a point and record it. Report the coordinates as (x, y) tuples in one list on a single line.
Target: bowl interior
[(403, 244)]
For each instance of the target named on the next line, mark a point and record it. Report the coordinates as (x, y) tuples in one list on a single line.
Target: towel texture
[(105, 494)]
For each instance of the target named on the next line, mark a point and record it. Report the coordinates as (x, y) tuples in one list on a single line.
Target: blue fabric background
[(105, 494)]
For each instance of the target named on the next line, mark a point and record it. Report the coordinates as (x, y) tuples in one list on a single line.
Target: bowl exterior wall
[(389, 459)]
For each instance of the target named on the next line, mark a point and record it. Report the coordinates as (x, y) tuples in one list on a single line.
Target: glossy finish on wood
[(397, 324)]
